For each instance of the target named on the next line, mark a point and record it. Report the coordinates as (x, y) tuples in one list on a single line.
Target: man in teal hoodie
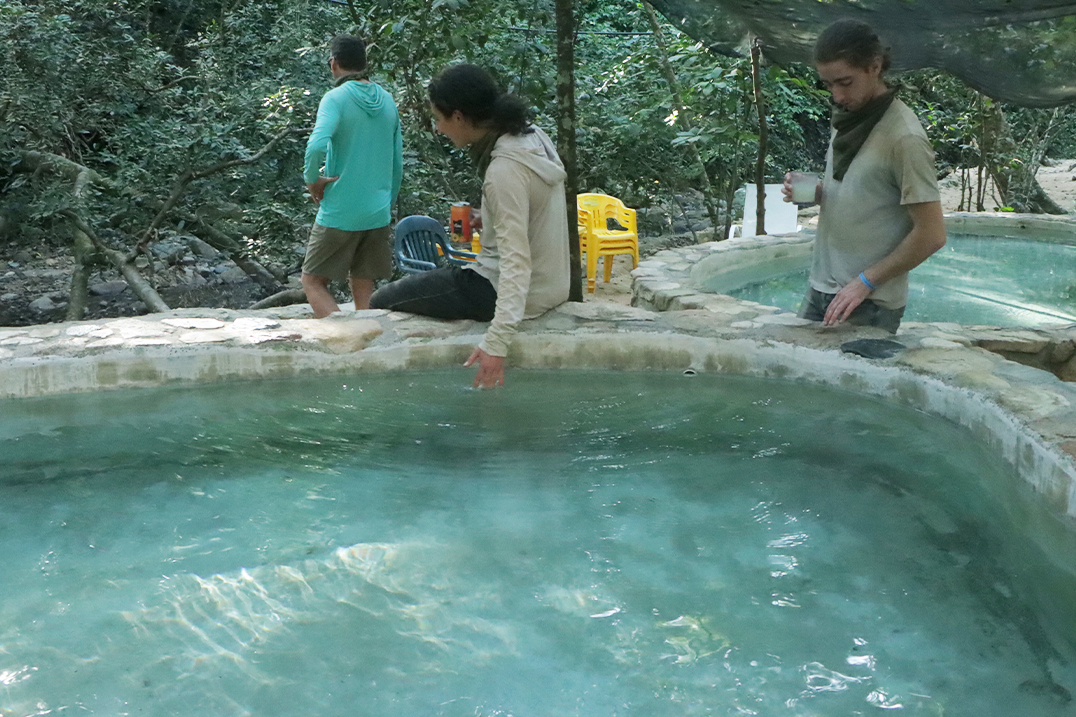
[(357, 137)]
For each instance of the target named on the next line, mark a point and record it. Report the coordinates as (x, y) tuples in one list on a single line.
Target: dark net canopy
[(1018, 51)]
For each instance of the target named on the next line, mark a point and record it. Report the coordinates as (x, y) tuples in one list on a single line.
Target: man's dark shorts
[(337, 254), (868, 313), (448, 292)]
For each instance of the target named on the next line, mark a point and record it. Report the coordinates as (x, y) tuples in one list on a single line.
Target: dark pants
[(868, 313), (447, 292)]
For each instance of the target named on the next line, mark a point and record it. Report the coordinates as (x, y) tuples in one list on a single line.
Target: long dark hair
[(854, 42), (473, 91)]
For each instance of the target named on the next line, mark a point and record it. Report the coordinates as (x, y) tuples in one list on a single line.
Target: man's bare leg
[(317, 293), (361, 290)]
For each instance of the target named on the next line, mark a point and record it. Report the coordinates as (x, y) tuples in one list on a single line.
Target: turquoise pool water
[(972, 280), (578, 544)]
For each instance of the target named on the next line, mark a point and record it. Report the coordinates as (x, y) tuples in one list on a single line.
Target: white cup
[(804, 185)]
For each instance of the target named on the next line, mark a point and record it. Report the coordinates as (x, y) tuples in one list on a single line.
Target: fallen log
[(281, 298), (83, 251), (135, 280), (32, 161)]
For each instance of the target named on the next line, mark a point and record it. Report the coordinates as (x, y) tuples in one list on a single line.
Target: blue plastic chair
[(422, 244)]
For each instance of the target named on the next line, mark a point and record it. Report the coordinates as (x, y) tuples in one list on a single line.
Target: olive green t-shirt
[(863, 218)]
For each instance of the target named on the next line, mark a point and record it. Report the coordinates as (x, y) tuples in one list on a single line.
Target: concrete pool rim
[(1026, 415)]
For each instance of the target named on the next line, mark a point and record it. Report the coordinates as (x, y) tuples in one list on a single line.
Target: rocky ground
[(187, 273), (34, 283)]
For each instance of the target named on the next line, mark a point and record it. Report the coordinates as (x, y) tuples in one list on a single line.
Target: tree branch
[(32, 161), (192, 175), (353, 12), (138, 284), (169, 85)]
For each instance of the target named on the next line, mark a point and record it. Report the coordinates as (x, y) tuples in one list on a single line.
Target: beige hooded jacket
[(524, 234)]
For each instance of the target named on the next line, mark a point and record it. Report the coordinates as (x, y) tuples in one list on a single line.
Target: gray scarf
[(853, 128), (360, 75)]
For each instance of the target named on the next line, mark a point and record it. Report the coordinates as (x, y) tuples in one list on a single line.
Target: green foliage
[(969, 130), (631, 137), (144, 91), (92, 84)]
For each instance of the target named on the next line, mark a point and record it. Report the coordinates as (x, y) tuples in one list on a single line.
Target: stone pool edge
[(1025, 414), (670, 280)]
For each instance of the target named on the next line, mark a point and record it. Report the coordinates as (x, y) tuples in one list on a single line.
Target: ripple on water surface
[(580, 543)]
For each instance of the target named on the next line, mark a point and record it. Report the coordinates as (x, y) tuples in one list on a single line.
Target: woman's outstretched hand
[(490, 369)]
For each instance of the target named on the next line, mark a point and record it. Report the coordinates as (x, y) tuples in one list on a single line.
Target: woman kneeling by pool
[(522, 269)]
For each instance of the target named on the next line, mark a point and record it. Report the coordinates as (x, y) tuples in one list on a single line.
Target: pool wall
[(1026, 415), (1059, 229), (736, 264)]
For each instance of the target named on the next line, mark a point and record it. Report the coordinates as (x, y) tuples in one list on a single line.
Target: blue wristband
[(866, 281)]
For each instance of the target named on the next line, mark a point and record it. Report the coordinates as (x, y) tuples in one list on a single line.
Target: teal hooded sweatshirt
[(357, 137)]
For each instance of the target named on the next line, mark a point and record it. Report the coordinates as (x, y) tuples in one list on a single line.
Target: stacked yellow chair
[(596, 239)]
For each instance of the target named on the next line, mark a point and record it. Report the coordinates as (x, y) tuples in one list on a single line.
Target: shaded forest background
[(144, 139)]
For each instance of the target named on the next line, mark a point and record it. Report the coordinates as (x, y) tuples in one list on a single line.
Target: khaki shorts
[(337, 254)]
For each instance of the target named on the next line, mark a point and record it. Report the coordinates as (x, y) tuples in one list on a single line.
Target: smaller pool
[(973, 280)]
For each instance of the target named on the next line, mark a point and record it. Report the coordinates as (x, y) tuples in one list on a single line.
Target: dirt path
[(1057, 180)]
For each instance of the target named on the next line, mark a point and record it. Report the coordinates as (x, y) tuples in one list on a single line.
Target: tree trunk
[(1015, 180), (763, 136), (986, 155), (566, 145), (683, 118), (1031, 192), (83, 251)]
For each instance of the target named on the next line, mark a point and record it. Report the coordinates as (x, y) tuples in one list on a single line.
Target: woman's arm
[(506, 207)]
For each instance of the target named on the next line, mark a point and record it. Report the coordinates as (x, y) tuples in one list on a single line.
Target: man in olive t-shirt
[(880, 213)]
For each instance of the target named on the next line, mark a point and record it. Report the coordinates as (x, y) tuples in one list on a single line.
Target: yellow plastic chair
[(596, 239)]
